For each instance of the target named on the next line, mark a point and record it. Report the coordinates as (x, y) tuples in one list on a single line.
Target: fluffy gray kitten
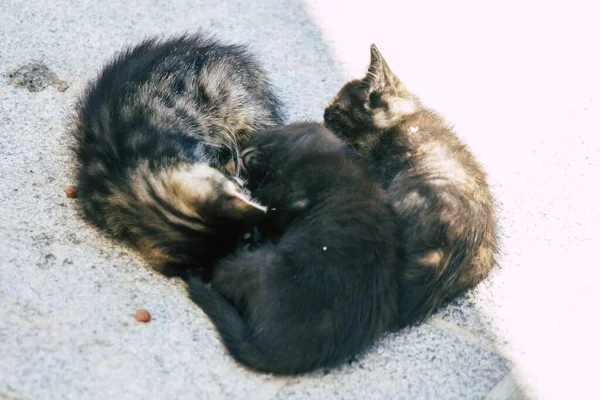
[(157, 135)]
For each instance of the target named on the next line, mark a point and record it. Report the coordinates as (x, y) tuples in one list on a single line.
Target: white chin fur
[(240, 181), (251, 202)]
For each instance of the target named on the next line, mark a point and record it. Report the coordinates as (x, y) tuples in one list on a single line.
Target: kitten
[(156, 134), (444, 208), (321, 287)]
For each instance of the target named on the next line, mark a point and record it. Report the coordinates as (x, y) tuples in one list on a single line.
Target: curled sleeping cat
[(321, 286), (445, 213), (155, 136)]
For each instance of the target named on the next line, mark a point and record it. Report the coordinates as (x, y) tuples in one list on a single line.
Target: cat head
[(375, 103), (269, 152), (275, 162)]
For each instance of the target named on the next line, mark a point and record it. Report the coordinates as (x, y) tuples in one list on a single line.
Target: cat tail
[(429, 280), (236, 334)]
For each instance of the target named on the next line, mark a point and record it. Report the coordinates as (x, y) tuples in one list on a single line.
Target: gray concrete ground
[(519, 80)]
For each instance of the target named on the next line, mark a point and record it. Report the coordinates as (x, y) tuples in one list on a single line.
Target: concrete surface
[(519, 80)]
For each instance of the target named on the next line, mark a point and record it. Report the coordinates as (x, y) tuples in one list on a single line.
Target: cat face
[(268, 153), (375, 103), (350, 114)]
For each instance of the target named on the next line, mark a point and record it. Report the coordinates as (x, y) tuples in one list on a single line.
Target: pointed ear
[(379, 75), (240, 206)]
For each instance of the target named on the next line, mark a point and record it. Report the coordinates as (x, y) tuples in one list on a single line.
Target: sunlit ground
[(521, 83), (519, 80)]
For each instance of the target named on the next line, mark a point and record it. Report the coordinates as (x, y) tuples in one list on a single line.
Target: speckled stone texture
[(521, 84)]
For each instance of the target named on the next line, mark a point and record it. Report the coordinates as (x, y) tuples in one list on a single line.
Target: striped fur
[(156, 140)]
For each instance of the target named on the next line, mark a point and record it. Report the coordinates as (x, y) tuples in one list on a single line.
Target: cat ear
[(238, 205), (379, 75)]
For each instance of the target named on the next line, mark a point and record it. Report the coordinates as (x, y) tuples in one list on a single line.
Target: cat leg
[(241, 276)]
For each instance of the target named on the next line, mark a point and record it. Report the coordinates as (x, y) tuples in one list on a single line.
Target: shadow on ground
[(68, 295)]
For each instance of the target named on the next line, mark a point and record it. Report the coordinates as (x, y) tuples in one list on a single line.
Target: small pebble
[(71, 192), (62, 86), (142, 315)]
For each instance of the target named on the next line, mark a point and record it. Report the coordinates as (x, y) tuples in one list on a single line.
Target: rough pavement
[(521, 83)]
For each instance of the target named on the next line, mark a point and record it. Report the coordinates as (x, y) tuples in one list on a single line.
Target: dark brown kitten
[(321, 287), (444, 209)]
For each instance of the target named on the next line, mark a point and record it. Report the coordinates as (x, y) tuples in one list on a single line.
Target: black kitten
[(157, 135), (322, 287), (444, 208)]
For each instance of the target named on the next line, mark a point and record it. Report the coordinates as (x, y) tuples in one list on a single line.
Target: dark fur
[(156, 134), (321, 288), (444, 208)]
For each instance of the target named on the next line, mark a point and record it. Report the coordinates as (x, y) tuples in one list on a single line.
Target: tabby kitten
[(444, 208), (321, 286), (156, 134)]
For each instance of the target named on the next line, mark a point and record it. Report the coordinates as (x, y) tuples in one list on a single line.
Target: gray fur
[(157, 136)]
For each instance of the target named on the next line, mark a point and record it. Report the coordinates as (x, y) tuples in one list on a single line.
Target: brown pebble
[(71, 192), (62, 86), (142, 315)]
